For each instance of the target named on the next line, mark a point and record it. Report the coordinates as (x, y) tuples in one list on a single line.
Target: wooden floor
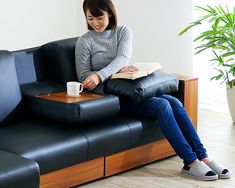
[(217, 132)]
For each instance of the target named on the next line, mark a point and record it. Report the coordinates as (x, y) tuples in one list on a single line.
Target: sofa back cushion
[(30, 65), (10, 95), (59, 58)]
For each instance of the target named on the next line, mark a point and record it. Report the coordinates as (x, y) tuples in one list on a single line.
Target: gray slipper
[(222, 172), (200, 171)]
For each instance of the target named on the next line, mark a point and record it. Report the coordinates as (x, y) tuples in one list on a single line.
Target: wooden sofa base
[(74, 175), (137, 156), (106, 166)]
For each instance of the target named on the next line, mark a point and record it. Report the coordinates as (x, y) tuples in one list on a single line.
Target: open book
[(145, 69)]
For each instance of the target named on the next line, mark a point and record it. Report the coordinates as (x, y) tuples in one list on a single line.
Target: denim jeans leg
[(186, 126), (160, 108)]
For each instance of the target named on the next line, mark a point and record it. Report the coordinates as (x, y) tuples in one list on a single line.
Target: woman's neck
[(104, 34)]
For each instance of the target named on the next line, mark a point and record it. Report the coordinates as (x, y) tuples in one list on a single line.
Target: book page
[(149, 67), (145, 69), (130, 75)]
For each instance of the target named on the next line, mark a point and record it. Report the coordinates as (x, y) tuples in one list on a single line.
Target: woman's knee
[(160, 104), (172, 100)]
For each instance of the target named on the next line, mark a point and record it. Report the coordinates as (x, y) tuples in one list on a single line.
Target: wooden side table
[(63, 97)]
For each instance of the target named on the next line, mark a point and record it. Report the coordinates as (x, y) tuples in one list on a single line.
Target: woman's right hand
[(91, 81), (129, 69)]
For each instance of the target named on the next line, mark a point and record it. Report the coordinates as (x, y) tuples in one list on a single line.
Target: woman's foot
[(199, 170), (222, 172)]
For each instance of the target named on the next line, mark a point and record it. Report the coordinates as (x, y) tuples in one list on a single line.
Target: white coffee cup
[(74, 89)]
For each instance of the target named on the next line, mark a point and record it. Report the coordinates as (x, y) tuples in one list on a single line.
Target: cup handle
[(81, 88)]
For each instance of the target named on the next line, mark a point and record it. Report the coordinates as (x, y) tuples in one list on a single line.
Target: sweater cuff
[(102, 76)]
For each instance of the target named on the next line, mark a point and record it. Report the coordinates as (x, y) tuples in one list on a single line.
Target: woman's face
[(99, 24)]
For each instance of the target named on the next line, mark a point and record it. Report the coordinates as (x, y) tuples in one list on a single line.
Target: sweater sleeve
[(124, 53), (82, 59)]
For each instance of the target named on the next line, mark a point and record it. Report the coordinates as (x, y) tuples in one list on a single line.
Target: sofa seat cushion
[(52, 146), (150, 132), (56, 146), (16, 171), (111, 136), (118, 134)]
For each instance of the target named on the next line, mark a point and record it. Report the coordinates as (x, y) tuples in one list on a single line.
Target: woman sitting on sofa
[(106, 49)]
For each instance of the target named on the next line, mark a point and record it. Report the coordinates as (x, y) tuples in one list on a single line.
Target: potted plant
[(220, 39)]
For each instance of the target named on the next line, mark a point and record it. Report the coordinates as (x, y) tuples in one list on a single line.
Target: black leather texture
[(138, 90), (59, 57), (53, 140), (10, 95), (111, 136), (53, 146), (41, 88), (30, 65), (118, 134), (150, 132), (73, 113), (18, 172)]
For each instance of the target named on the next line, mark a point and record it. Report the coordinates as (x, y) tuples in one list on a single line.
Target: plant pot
[(231, 101)]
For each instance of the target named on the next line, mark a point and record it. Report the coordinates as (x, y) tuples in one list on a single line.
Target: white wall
[(155, 25), (29, 23)]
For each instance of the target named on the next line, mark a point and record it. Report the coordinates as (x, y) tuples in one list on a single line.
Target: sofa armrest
[(16, 171), (188, 95), (46, 100)]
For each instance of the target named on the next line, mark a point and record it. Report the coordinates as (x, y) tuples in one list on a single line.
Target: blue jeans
[(174, 122)]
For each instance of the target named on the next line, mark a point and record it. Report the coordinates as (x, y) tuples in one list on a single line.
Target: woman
[(106, 49)]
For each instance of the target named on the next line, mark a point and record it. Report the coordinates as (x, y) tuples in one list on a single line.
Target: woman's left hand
[(91, 81), (130, 68)]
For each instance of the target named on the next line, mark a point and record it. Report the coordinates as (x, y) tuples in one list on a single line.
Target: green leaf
[(210, 10), (198, 52), (219, 76), (204, 17), (207, 45), (217, 21), (220, 38), (230, 84), (189, 27), (231, 59), (215, 59), (219, 58), (204, 34), (220, 47), (228, 54), (220, 9), (193, 24), (213, 77)]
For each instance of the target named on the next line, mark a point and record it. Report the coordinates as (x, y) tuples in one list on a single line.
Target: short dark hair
[(97, 6)]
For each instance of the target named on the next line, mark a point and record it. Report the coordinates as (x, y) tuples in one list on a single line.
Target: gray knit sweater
[(103, 53)]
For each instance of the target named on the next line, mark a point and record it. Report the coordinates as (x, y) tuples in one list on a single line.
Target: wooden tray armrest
[(189, 92)]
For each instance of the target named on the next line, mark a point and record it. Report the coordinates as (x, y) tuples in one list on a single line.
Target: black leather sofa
[(52, 144)]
